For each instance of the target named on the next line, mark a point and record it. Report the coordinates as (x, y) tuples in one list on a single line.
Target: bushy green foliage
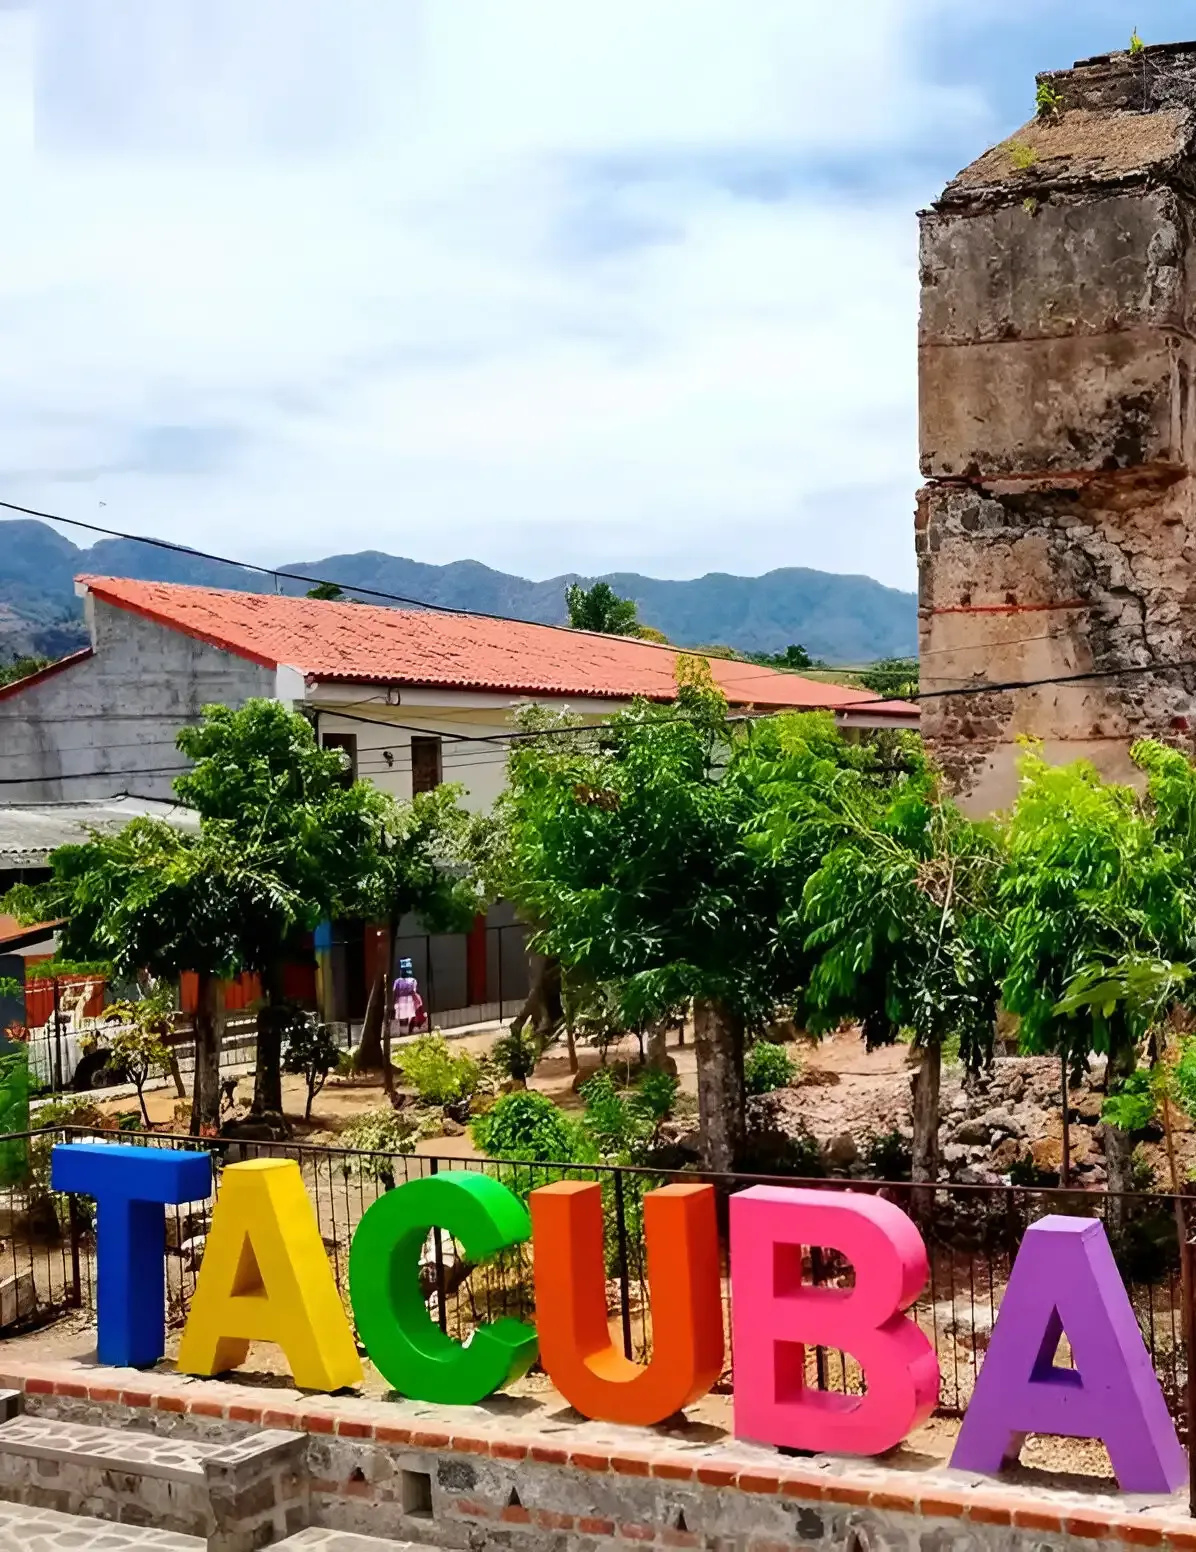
[(599, 608), (901, 913), (440, 1075), (516, 1053), (373, 1139), (896, 678), (888, 1155), (527, 1126), (21, 668), (1131, 1103), (1047, 100), (14, 1116), (768, 1067)]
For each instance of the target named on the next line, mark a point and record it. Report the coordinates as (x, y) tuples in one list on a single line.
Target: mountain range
[(842, 619)]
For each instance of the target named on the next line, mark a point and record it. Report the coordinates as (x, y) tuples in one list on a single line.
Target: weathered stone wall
[(1056, 534)]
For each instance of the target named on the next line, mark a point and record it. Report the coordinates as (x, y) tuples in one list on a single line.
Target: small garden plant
[(768, 1067), (440, 1075), (311, 1052)]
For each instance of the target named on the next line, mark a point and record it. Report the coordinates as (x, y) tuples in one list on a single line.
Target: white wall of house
[(383, 724)]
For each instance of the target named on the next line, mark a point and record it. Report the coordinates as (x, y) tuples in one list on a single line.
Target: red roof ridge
[(15, 686)]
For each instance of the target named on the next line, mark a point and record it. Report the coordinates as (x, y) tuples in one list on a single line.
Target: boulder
[(1002, 1123), (1008, 1153), (842, 1151), (976, 1131)]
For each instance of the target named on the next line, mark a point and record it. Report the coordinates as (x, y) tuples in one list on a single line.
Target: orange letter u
[(681, 1231)]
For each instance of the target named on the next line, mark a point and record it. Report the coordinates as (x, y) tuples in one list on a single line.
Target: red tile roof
[(360, 643)]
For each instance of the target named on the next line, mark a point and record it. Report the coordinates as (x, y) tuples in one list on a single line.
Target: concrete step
[(22, 1529), (227, 1497), (316, 1540)]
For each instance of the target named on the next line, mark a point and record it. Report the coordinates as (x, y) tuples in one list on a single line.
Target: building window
[(425, 765), (346, 744)]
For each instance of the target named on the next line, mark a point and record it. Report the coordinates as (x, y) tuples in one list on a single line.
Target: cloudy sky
[(555, 284)]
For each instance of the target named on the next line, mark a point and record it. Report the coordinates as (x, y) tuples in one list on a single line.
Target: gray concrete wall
[(108, 725)]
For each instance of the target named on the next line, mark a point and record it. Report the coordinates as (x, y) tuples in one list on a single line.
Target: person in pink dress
[(408, 1004)]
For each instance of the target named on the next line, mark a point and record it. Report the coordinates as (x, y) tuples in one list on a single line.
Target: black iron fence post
[(76, 1299), (624, 1277), (1189, 1327), (438, 1245), (816, 1279)]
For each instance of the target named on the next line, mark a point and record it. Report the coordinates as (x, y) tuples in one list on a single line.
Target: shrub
[(888, 1155), (624, 1124), (516, 1053), (438, 1074), (526, 1126), (656, 1094), (377, 1135), (768, 1067)]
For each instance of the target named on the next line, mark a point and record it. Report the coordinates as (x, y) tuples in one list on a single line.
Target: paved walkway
[(23, 1529)]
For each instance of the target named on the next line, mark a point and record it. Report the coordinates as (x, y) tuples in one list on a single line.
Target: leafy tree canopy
[(599, 608)]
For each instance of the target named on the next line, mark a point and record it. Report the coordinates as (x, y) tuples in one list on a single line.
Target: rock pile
[(1004, 1123)]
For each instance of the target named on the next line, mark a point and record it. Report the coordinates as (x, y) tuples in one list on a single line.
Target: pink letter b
[(777, 1316)]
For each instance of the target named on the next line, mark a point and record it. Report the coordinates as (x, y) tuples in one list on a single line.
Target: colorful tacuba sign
[(265, 1276)]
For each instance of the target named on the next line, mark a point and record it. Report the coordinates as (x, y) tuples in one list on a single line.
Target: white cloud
[(505, 293)]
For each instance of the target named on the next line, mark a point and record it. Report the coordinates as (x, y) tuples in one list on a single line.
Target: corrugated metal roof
[(29, 832)]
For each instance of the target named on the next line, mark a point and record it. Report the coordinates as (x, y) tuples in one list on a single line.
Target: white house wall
[(107, 725), (480, 767)]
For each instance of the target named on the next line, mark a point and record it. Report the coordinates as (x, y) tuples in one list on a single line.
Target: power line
[(418, 603), (21, 781)]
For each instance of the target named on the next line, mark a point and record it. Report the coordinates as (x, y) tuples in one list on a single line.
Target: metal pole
[(1185, 1249), (1065, 1166), (624, 1279), (57, 1040)]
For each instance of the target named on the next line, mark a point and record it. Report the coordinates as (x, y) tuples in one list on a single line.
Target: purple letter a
[(1065, 1282)]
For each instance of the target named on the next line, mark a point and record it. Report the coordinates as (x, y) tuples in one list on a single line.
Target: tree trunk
[(267, 1080), (544, 1007), (659, 1059), (388, 1010), (926, 1115), (719, 1044), (571, 1047), (369, 1052), (205, 1102), (1119, 1145)]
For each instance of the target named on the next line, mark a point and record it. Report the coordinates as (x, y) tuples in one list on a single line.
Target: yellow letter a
[(265, 1278)]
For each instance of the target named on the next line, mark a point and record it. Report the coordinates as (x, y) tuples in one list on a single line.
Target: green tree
[(151, 898), (599, 608), (902, 915), (261, 775), (1098, 882), (311, 1051), (329, 593), (134, 1037), (424, 861), (21, 668), (894, 677), (664, 860)]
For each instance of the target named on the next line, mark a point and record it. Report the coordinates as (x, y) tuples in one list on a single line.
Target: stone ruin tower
[(1056, 533)]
